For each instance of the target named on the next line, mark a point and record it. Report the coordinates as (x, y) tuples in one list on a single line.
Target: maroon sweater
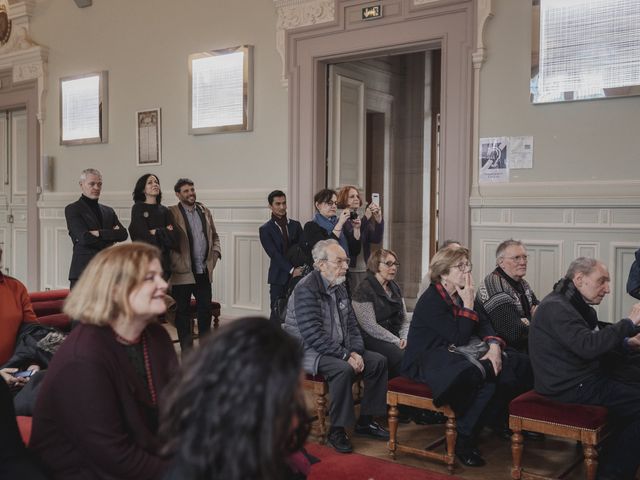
[(89, 421)]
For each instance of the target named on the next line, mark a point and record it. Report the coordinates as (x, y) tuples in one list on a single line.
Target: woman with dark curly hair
[(150, 220), (236, 411)]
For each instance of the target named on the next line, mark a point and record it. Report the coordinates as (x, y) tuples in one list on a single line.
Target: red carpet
[(338, 466)]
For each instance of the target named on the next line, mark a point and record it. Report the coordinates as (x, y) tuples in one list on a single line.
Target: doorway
[(382, 136), (13, 193)]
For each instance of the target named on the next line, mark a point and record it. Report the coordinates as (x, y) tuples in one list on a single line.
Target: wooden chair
[(536, 413), (403, 391), (319, 387)]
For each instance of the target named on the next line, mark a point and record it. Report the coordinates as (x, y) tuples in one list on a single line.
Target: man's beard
[(339, 280)]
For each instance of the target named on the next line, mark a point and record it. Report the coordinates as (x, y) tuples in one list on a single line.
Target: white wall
[(144, 44), (582, 196)]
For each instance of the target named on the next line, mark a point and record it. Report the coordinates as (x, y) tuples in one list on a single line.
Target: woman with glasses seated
[(379, 307), (327, 224), (445, 316)]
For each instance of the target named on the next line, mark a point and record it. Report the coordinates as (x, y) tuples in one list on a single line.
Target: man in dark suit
[(277, 236), (92, 226)]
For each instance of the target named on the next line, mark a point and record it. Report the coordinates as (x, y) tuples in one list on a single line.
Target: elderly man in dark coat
[(319, 312), (567, 346)]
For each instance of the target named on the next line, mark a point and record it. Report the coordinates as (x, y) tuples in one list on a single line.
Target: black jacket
[(564, 347), (80, 221), (437, 323)]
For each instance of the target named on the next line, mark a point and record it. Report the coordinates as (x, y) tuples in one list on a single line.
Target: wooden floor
[(546, 457)]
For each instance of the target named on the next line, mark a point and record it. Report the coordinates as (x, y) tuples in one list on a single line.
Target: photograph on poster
[(494, 162), (148, 137)]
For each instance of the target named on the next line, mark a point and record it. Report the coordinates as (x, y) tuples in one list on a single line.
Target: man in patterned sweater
[(507, 297)]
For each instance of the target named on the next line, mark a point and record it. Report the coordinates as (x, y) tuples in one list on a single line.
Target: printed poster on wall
[(494, 161), (520, 152)]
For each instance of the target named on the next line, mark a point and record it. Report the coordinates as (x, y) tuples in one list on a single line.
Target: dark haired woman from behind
[(236, 411), (151, 221)]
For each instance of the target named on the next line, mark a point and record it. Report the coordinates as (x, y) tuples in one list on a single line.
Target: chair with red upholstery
[(47, 306), (403, 391), (536, 413)]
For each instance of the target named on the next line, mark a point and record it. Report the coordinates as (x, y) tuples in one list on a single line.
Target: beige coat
[(181, 272)]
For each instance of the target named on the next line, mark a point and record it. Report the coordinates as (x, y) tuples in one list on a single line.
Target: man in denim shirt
[(193, 263)]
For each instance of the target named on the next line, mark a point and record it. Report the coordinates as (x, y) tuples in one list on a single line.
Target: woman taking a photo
[(444, 318), (237, 412), (150, 220), (326, 224), (97, 412), (371, 229)]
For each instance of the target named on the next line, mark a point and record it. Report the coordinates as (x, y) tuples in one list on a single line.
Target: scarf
[(566, 287), (518, 287), (282, 223), (329, 224)]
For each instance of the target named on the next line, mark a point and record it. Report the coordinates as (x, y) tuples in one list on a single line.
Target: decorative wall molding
[(555, 236), (300, 13)]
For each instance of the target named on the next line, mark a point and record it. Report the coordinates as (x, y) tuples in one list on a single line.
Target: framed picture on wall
[(84, 109), (148, 137)]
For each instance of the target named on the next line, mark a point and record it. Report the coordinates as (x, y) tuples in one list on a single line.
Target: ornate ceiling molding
[(300, 13)]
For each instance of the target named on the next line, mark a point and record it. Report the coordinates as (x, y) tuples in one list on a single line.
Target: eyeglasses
[(331, 203), (519, 258), (464, 267), (340, 261), (390, 264)]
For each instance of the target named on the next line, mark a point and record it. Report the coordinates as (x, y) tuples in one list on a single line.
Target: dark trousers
[(620, 457), (391, 352), (275, 292), (340, 376), (202, 292)]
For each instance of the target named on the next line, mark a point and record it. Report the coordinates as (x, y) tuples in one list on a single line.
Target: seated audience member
[(326, 224), (566, 348), (426, 280), (371, 230), (445, 317), (633, 282), (507, 297), (151, 221), (16, 309), (15, 461), (97, 411), (380, 310), (236, 411), (320, 313)]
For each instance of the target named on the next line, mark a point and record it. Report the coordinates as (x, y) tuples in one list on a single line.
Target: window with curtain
[(585, 49)]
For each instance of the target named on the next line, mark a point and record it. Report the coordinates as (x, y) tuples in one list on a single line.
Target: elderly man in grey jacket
[(319, 313)]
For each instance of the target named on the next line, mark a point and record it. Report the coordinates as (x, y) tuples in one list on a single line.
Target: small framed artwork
[(148, 137)]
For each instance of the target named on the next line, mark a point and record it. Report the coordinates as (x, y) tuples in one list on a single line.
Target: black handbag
[(473, 351)]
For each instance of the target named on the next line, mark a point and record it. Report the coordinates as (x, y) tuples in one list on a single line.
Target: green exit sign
[(371, 13)]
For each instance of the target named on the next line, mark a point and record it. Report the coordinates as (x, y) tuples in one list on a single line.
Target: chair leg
[(321, 412), (516, 454), (590, 461), (451, 435), (393, 430)]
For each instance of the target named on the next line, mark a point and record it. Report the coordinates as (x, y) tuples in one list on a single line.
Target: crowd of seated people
[(113, 402)]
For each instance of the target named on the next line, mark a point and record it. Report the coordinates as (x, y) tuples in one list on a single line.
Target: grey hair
[(319, 251), (89, 171), (582, 265), (506, 244)]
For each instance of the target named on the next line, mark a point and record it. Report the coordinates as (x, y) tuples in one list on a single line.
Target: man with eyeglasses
[(319, 312), (507, 297)]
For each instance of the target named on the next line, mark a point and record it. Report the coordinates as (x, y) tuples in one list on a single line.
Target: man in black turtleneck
[(507, 297), (277, 236), (567, 349), (92, 226)]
